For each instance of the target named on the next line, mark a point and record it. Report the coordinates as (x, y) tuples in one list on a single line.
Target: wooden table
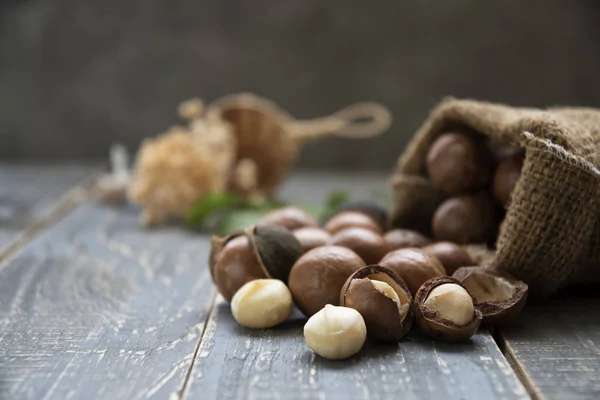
[(94, 306)]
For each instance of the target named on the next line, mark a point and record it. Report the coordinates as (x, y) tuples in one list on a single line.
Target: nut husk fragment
[(499, 295), (437, 326), (386, 319)]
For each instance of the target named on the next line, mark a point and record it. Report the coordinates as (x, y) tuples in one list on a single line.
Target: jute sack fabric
[(551, 234)]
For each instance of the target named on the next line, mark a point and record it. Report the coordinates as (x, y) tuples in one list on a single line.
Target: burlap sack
[(551, 234)]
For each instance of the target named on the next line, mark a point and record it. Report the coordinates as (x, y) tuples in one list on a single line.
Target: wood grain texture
[(238, 363), (30, 192), (97, 307), (555, 347)]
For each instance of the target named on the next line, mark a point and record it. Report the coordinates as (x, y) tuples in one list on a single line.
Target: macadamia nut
[(262, 303), (386, 289), (452, 302), (335, 332)]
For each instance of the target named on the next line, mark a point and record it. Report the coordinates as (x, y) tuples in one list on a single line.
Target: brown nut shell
[(311, 237), (500, 296), (506, 176), (451, 255), (235, 265), (372, 209), (370, 246), (290, 217), (403, 238), (317, 277), (277, 249), (257, 253), (466, 219), (459, 163), (351, 219), (440, 328), (385, 321), (414, 266)]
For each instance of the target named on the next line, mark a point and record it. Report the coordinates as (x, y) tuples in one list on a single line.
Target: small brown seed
[(414, 266), (459, 163), (370, 246)]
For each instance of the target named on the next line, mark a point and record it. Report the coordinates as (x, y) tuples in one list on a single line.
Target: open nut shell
[(217, 243), (438, 327), (384, 320), (486, 280), (276, 248)]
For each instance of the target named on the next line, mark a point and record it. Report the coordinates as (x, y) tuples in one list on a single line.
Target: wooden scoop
[(272, 138)]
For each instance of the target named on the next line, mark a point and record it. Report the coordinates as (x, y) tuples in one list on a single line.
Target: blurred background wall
[(78, 75)]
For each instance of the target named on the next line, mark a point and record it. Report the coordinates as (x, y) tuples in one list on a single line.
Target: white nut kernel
[(387, 290), (335, 332), (262, 303), (452, 302)]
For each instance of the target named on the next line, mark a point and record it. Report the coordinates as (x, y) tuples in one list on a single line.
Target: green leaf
[(385, 197), (237, 220), (211, 204), (333, 202)]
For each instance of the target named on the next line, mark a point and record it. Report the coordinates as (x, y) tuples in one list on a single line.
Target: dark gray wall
[(76, 75)]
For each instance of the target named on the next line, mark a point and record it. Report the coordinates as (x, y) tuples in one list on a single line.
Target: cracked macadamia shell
[(383, 300), (438, 317), (414, 266), (370, 246), (259, 252), (499, 295), (335, 333), (317, 277)]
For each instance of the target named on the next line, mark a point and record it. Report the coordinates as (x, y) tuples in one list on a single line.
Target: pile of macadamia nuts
[(355, 279), (478, 177)]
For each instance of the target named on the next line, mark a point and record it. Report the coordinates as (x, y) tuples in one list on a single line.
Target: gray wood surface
[(238, 363), (96, 307), (31, 192), (555, 347)]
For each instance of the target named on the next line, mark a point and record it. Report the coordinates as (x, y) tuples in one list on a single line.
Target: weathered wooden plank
[(234, 363), (31, 192), (556, 347), (97, 307)]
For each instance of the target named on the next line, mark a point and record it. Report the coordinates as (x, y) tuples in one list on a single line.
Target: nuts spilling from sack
[(357, 280), (478, 177)]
